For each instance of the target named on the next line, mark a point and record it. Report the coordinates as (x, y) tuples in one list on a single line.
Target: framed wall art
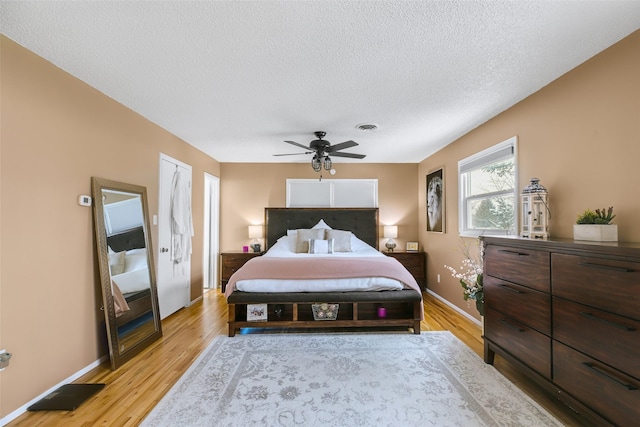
[(412, 246), (435, 201)]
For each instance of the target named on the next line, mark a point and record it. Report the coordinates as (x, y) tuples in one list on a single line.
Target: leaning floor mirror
[(127, 274)]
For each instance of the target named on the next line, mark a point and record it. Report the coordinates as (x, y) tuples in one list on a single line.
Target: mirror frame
[(120, 357)]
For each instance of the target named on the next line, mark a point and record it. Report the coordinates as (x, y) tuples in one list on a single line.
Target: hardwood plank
[(135, 388)]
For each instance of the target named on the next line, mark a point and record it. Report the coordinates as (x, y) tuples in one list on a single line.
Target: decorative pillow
[(321, 246), (116, 262), (322, 224), (135, 260), (342, 240), (304, 235)]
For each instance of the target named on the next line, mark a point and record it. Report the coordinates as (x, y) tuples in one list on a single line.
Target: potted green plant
[(596, 226)]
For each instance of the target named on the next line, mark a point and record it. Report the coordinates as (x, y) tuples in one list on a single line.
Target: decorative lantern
[(535, 211)]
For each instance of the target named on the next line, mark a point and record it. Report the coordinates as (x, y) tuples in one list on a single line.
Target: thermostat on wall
[(84, 201)]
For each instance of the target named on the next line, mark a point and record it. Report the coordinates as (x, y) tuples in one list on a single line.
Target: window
[(334, 193), (487, 198)]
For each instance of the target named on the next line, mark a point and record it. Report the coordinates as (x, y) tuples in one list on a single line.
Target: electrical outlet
[(438, 278)]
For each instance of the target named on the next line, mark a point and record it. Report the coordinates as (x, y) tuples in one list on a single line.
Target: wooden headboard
[(126, 240), (363, 222)]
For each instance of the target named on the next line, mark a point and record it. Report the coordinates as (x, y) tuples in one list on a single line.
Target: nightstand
[(415, 262), (230, 262)]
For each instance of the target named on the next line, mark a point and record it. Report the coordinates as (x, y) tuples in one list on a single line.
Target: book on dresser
[(567, 314)]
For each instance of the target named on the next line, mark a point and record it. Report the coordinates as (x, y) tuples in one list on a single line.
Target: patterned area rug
[(431, 379)]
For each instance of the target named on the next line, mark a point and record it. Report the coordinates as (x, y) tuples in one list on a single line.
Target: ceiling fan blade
[(350, 155), (342, 146), (298, 145), (294, 154)]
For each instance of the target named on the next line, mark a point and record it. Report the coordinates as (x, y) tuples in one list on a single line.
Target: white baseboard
[(454, 307), (21, 410), (194, 301)]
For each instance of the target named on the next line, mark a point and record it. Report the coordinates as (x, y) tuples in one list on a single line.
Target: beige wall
[(580, 135), (57, 133), (246, 189)]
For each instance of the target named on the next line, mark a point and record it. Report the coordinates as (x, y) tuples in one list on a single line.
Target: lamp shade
[(390, 231), (255, 231)]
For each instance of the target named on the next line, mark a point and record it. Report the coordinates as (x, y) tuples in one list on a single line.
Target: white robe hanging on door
[(181, 221)]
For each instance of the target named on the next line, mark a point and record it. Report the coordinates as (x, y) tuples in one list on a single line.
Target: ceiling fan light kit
[(322, 149)]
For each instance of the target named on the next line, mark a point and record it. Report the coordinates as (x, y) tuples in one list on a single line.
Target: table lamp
[(390, 232), (255, 233)]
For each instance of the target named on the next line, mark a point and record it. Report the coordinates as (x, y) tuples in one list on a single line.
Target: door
[(211, 233), (174, 256)]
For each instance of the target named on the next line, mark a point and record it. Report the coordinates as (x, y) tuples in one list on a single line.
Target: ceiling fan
[(322, 149)]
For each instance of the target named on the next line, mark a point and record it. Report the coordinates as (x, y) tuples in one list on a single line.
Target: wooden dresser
[(567, 314), (415, 262), (230, 262)]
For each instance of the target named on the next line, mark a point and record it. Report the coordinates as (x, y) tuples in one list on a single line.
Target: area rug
[(431, 379)]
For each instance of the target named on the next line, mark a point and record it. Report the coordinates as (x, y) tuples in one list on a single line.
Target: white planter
[(596, 232)]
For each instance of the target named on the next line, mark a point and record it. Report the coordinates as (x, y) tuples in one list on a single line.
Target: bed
[(322, 270), (130, 279)]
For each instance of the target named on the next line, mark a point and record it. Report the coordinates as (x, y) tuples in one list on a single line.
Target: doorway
[(211, 231)]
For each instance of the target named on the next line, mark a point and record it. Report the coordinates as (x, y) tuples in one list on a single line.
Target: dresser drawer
[(615, 340), (523, 266), (415, 263), (521, 341), (604, 283), (230, 262), (524, 304), (607, 391)]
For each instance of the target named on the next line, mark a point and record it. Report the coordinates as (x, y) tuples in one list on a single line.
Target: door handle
[(163, 250)]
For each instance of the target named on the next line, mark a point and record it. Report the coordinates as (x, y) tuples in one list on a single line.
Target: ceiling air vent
[(367, 127)]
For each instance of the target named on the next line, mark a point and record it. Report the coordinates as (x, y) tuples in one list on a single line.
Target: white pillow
[(342, 240), (117, 262), (304, 235), (321, 224), (136, 259), (320, 246)]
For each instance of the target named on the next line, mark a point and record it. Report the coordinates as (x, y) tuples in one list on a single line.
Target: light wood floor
[(134, 389)]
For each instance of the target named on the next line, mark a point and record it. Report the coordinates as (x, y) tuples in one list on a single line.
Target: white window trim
[(462, 210)]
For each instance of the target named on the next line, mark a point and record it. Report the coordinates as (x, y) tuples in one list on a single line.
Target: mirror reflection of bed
[(130, 285)]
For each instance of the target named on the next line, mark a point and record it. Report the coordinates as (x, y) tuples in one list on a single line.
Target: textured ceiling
[(236, 78)]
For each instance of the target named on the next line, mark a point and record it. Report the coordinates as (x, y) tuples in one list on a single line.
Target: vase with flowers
[(470, 275)]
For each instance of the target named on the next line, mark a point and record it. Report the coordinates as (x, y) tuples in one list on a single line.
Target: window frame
[(483, 158)]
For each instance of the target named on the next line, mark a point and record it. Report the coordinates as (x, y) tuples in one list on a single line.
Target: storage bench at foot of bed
[(356, 310)]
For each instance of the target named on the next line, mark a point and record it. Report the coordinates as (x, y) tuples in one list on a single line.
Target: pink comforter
[(321, 268)]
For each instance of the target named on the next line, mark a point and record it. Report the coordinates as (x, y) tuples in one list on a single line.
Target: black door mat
[(66, 398)]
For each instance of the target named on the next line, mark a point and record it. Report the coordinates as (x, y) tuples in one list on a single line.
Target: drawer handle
[(606, 267), (608, 322), (510, 289), (513, 252), (512, 326), (599, 371)]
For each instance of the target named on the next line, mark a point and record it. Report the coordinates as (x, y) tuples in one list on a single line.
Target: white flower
[(470, 276)]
